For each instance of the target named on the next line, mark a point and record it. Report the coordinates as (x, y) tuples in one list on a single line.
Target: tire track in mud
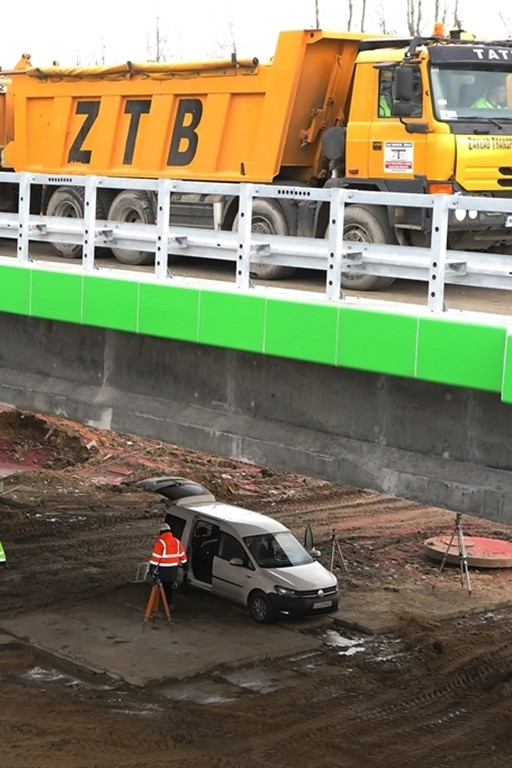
[(389, 726)]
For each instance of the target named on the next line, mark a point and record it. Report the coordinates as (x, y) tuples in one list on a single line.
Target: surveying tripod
[(336, 546), (157, 592), (463, 558)]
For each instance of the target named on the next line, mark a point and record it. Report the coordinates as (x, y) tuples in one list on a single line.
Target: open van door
[(177, 489)]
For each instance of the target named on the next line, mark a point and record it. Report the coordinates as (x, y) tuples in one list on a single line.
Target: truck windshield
[(278, 550), (483, 93)]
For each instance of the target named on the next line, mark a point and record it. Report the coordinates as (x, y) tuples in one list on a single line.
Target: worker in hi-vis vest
[(3, 558), (168, 553)]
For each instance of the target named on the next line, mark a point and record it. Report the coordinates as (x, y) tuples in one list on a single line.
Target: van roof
[(188, 494), (248, 523)]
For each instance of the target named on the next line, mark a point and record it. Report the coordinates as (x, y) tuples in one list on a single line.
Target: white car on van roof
[(245, 556)]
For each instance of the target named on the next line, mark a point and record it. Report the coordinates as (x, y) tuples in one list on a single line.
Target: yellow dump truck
[(330, 109)]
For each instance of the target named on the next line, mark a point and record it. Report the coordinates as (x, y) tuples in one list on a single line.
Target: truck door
[(233, 571), (395, 155)]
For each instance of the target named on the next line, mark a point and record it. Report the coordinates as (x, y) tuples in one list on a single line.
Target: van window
[(279, 550), (230, 547)]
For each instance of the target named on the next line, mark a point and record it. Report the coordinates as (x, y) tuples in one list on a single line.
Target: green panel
[(302, 331), (169, 311), (462, 354), (236, 321), (439, 348), (110, 303), (382, 342), (507, 371), (57, 295), (15, 289)]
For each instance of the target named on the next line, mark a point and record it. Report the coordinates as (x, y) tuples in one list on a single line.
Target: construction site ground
[(415, 669)]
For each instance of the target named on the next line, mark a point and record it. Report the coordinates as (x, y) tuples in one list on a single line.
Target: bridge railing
[(435, 263)]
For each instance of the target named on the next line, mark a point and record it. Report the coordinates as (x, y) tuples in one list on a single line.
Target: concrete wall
[(440, 445)]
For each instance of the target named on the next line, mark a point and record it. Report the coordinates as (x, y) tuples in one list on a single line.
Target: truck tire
[(366, 224), (68, 202), (260, 608), (267, 219), (135, 207)]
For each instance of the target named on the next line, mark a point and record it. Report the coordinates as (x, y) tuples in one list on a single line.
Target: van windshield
[(279, 550)]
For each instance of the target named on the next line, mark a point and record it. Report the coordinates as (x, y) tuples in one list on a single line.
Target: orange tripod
[(157, 592)]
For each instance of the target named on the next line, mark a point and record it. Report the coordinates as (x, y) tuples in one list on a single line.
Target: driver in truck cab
[(495, 97)]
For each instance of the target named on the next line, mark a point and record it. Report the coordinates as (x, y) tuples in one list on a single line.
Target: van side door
[(233, 570)]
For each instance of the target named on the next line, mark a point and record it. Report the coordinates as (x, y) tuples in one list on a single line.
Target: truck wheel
[(68, 202), (267, 219), (134, 207), (260, 608), (366, 224)]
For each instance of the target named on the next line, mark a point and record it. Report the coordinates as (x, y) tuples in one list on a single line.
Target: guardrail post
[(335, 243), (163, 214), (243, 250), (23, 218), (90, 197), (438, 246)]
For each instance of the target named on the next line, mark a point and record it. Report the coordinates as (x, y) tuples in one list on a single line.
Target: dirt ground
[(430, 691)]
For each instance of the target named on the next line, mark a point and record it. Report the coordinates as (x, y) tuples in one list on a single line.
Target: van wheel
[(260, 608)]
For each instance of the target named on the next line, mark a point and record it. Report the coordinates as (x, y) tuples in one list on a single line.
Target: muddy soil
[(431, 692)]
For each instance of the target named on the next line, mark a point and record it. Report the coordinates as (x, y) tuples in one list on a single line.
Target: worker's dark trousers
[(168, 576)]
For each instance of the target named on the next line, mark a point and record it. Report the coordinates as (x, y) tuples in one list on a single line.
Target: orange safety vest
[(168, 551)]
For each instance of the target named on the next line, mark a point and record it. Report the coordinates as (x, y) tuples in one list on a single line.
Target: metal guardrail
[(435, 264)]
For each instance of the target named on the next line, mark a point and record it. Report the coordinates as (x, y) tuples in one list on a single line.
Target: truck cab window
[(385, 103), (466, 93), (417, 94), (385, 98)]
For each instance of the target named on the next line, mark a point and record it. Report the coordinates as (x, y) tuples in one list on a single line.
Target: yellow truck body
[(330, 108), (216, 121)]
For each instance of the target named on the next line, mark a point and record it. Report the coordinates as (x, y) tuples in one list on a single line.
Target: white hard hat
[(165, 527)]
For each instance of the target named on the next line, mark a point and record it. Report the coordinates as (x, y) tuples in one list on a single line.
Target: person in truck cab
[(385, 105), (385, 95), (495, 97)]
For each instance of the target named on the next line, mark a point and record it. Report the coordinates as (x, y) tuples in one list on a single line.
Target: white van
[(245, 556)]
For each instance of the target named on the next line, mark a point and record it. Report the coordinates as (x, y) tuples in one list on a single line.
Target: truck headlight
[(459, 214)]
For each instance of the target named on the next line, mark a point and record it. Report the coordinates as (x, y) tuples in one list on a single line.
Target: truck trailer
[(331, 109)]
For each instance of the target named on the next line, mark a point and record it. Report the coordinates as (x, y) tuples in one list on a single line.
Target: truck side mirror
[(403, 84)]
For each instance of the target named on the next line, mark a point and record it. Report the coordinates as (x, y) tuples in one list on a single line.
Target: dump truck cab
[(439, 133)]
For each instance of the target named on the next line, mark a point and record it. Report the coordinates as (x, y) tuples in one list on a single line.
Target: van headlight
[(285, 591)]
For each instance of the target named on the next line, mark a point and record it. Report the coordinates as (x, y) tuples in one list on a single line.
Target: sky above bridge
[(107, 31)]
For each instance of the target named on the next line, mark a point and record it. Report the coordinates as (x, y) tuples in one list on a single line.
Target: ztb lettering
[(184, 137), (135, 108), (76, 153)]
